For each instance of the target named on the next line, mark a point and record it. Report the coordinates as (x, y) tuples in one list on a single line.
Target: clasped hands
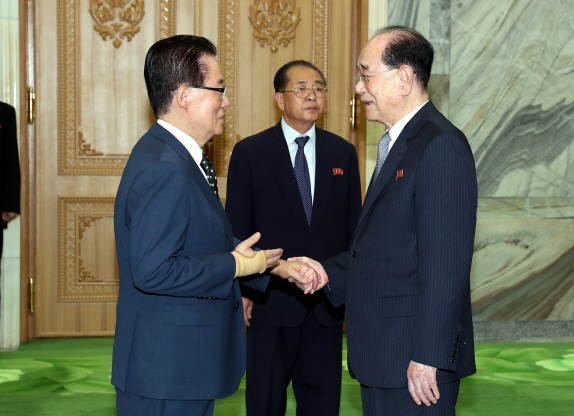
[(307, 274)]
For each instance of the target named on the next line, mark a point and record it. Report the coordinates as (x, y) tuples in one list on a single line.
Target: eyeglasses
[(304, 92), (222, 90), (365, 77)]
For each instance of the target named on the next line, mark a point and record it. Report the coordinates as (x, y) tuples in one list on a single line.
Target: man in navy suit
[(405, 278), (9, 168), (180, 339), (292, 337)]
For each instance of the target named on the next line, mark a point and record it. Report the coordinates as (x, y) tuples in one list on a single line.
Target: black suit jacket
[(263, 195), (406, 277), (9, 164)]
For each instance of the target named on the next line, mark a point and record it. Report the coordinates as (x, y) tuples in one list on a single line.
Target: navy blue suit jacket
[(263, 195), (173, 240), (405, 279)]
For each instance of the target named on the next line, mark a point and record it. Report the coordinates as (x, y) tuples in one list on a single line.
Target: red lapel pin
[(399, 174), (337, 171)]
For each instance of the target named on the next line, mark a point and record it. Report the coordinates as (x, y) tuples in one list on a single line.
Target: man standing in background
[(9, 168), (299, 186)]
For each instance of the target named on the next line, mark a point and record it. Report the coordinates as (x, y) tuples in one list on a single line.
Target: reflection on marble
[(523, 269), (512, 71), (502, 208)]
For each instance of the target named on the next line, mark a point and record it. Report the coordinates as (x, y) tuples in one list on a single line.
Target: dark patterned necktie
[(210, 173), (301, 170), (382, 153)]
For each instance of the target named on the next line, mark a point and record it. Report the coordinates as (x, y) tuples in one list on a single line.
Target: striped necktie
[(301, 170)]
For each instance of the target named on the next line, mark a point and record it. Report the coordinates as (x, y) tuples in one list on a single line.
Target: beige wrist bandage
[(244, 266)]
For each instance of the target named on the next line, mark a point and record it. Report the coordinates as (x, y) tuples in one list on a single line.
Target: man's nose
[(360, 87)]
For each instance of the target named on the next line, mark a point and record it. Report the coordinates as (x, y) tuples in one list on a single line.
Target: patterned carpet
[(72, 377)]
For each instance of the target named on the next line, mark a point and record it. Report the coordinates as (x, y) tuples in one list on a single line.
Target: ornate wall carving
[(274, 22), (117, 19), (87, 263), (227, 12), (76, 154)]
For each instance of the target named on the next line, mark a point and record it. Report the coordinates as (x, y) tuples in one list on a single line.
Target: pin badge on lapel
[(337, 171), (399, 174)]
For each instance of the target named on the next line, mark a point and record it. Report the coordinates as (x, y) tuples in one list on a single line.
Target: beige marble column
[(10, 265)]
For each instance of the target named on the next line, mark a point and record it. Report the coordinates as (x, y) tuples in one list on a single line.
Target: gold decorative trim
[(321, 43), (85, 149), (224, 143), (167, 18), (75, 156), (76, 214), (274, 22), (117, 19)]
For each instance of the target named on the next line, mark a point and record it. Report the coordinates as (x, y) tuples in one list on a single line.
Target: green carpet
[(72, 377)]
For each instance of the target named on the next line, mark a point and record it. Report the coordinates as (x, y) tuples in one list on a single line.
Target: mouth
[(367, 103), (312, 108)]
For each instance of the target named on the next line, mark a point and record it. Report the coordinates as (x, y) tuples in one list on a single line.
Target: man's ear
[(279, 100), (406, 79), (182, 97)]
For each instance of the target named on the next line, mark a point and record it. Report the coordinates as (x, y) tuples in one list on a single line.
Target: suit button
[(236, 305), (309, 238), (354, 253)]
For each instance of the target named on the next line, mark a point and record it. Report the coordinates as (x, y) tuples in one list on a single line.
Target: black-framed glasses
[(222, 90), (304, 92)]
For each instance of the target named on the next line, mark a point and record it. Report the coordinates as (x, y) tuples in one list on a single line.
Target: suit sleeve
[(10, 165), (445, 214), (159, 217), (337, 270)]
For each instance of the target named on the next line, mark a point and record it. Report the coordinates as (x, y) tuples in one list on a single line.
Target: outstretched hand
[(245, 249), (304, 277), (323, 279)]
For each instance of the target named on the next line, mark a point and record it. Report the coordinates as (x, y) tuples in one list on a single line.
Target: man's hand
[(244, 248), (321, 273), (422, 383), (247, 307), (9, 216), (296, 272)]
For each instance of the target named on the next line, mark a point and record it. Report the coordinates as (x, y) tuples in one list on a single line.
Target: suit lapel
[(282, 169), (323, 177), (193, 170), (396, 154)]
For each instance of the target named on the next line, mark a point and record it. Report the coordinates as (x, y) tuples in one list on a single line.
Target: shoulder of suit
[(333, 139), (258, 139)]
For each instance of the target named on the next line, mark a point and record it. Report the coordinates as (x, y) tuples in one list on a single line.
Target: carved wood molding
[(321, 44), (77, 214), (274, 22), (117, 19), (167, 18), (75, 154), (224, 143)]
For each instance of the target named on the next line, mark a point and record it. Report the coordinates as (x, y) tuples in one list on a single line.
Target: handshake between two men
[(307, 274)]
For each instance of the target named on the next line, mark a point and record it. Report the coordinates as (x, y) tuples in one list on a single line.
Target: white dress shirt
[(398, 128), (188, 142), (290, 136)]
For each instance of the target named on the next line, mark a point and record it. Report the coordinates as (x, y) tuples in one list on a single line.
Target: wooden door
[(91, 108)]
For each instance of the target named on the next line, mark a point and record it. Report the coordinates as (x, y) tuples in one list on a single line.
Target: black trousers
[(128, 404), (310, 355), (394, 402)]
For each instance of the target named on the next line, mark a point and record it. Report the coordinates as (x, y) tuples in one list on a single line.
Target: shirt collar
[(185, 139), (291, 134), (398, 128)]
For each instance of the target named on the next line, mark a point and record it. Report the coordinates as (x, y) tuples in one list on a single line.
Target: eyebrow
[(305, 82), (362, 66)]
